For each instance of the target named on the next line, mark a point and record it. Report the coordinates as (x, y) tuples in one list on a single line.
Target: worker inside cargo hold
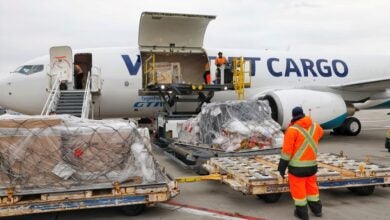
[(206, 74), (220, 62)]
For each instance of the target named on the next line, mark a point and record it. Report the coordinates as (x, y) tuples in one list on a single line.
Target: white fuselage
[(121, 81)]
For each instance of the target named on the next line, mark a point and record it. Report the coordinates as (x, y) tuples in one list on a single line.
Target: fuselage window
[(29, 69)]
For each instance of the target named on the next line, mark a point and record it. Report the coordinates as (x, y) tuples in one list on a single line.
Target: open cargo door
[(172, 30), (61, 62)]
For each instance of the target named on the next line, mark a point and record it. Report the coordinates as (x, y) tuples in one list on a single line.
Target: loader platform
[(259, 176)]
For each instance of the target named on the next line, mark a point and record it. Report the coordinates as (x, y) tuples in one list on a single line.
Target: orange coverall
[(300, 152)]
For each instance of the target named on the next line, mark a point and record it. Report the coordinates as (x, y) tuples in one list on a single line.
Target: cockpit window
[(29, 69)]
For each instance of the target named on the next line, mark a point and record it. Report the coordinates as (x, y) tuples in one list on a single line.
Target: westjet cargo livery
[(327, 86)]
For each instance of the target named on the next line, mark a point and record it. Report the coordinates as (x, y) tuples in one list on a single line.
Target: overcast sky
[(28, 28)]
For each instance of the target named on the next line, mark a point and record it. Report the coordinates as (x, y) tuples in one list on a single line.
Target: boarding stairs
[(72, 102)]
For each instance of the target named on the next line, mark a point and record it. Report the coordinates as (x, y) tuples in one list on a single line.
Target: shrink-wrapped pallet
[(233, 125), (65, 152)]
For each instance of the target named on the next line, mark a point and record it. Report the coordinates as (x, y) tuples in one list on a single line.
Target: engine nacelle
[(327, 109)]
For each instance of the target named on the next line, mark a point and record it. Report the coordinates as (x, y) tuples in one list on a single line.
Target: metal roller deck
[(259, 176)]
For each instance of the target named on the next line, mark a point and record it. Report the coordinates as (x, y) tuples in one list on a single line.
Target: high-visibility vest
[(303, 151), (220, 61)]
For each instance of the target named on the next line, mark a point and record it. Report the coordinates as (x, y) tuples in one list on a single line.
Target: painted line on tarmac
[(379, 120), (375, 128), (205, 211)]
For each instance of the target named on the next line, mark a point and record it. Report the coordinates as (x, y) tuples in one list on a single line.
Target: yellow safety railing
[(150, 70), (239, 73)]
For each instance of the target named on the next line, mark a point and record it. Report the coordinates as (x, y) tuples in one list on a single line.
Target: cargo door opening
[(174, 68), (82, 66)]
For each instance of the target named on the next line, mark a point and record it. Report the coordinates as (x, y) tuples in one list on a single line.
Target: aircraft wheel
[(352, 126), (362, 190), (270, 198), (133, 210)]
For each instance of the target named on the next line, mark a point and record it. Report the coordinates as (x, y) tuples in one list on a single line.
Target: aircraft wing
[(374, 85)]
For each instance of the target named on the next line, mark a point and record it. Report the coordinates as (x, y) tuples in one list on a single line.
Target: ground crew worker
[(387, 141), (299, 154), (78, 74), (206, 74), (219, 61)]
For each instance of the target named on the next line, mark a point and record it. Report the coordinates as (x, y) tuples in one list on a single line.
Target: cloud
[(29, 28)]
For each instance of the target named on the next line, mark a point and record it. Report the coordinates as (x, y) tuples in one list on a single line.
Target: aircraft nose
[(5, 89)]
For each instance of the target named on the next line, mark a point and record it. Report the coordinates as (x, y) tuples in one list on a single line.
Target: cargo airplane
[(327, 86)]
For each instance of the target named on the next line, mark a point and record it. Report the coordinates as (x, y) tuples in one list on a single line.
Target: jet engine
[(327, 109)]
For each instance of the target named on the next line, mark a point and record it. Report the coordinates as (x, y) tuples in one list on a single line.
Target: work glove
[(282, 167)]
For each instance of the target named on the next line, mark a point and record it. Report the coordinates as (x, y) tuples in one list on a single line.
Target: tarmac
[(213, 200)]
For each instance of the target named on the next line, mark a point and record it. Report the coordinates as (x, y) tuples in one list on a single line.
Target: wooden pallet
[(117, 190), (259, 175), (116, 196)]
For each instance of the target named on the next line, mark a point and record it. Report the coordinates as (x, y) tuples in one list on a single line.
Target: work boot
[(301, 212), (316, 208)]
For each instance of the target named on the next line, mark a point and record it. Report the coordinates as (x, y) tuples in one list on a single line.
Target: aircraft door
[(61, 63)]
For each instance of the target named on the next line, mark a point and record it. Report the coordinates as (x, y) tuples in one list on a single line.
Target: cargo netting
[(233, 126), (64, 152)]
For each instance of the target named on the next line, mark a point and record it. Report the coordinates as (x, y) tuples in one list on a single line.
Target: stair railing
[(87, 101), (53, 97)]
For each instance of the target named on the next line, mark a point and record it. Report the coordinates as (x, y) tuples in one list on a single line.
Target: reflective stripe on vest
[(309, 142)]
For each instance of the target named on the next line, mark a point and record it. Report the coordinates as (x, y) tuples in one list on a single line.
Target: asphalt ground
[(213, 200)]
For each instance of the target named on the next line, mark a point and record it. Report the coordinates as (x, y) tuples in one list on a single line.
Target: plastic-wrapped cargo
[(233, 125), (51, 153)]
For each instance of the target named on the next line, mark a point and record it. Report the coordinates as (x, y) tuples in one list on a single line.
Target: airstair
[(72, 102)]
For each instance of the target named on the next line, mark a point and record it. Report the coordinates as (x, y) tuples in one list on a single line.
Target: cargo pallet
[(131, 198), (259, 176), (193, 157)]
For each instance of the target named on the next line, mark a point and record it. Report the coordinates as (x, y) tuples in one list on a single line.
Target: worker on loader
[(299, 154), (219, 61)]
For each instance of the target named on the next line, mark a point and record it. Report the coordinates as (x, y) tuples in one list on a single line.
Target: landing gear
[(350, 127)]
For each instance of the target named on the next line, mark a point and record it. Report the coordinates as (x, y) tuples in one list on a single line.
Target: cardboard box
[(176, 73), (98, 152), (167, 73), (30, 123), (4, 179), (31, 159), (164, 73), (30, 150)]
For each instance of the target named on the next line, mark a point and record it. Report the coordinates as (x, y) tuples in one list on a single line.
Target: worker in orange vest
[(299, 154), (206, 74), (219, 61)]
